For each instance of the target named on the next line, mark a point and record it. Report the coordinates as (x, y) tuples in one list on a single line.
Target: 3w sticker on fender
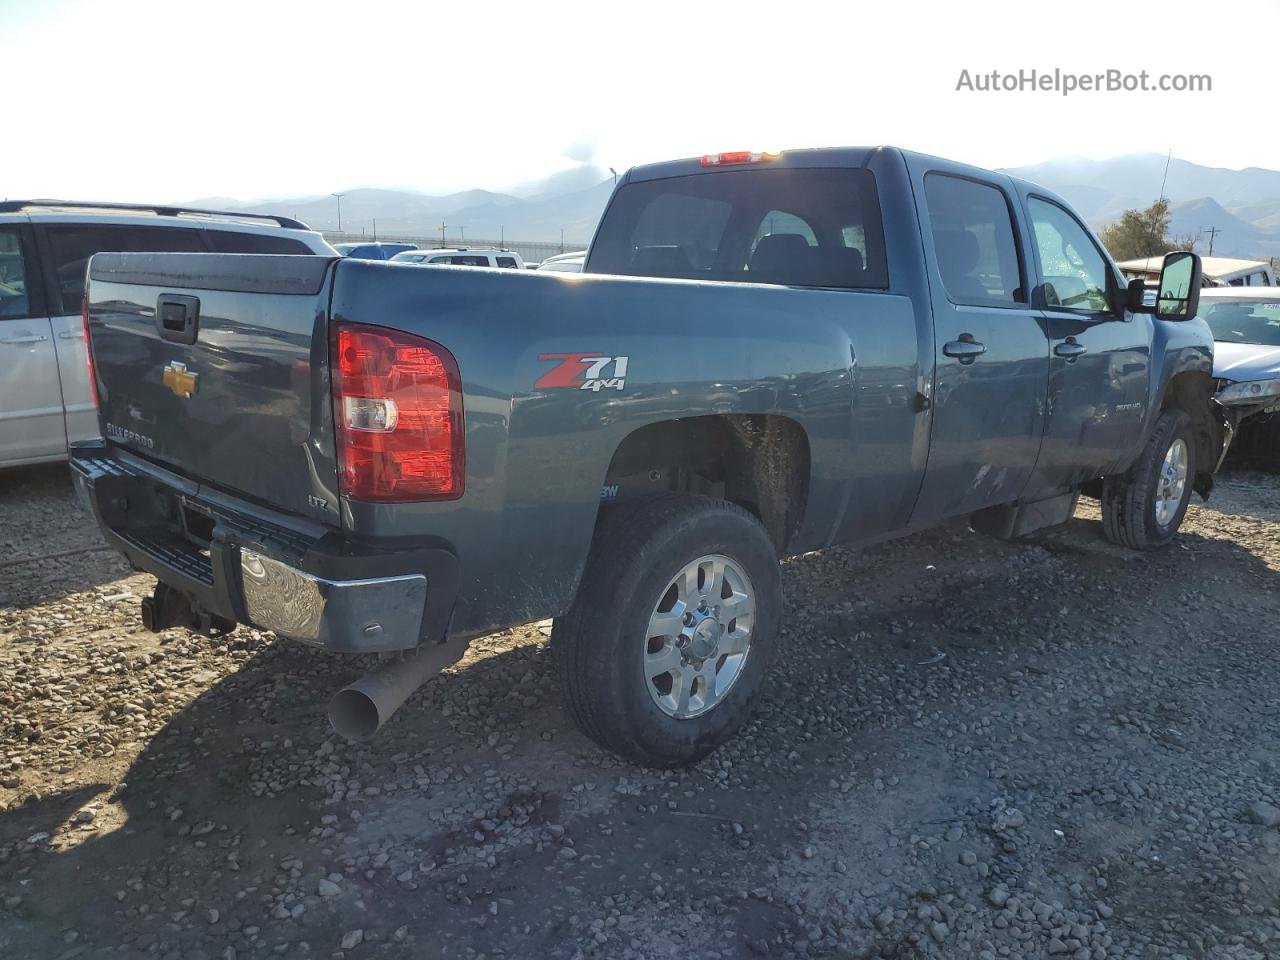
[(583, 371)]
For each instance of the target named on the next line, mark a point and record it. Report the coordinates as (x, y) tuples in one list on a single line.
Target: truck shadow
[(480, 792)]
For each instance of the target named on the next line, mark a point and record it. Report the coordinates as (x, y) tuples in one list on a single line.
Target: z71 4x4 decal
[(583, 371)]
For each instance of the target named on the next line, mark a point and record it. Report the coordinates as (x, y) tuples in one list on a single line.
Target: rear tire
[(662, 657), (1143, 507)]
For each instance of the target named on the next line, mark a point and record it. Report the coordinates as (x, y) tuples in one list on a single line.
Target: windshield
[(1243, 321)]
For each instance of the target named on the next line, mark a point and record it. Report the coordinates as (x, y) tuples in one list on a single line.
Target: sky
[(177, 100)]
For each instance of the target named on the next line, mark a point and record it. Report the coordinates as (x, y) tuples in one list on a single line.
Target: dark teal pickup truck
[(765, 355)]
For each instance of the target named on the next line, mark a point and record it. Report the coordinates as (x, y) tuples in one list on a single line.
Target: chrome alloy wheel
[(699, 636), (1171, 482)]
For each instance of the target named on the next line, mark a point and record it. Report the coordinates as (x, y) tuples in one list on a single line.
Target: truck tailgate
[(214, 366)]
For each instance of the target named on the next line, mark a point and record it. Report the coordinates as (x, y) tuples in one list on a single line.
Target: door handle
[(1069, 349), (29, 338), (965, 349), (71, 335)]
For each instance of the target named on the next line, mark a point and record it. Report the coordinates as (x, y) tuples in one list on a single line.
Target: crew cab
[(766, 354)]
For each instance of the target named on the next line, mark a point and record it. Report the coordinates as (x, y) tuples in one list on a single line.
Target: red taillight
[(737, 156), (88, 351), (397, 409)]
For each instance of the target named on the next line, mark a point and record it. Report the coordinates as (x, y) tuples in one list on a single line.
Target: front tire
[(1143, 507), (663, 654)]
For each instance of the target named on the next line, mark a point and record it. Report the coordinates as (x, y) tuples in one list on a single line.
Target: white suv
[(45, 401), (463, 257)]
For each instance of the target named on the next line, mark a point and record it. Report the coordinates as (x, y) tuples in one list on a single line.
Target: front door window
[(1074, 270)]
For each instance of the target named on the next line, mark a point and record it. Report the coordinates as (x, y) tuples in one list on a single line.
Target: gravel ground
[(973, 749)]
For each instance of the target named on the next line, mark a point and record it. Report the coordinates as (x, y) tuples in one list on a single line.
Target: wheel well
[(1192, 392), (758, 461)]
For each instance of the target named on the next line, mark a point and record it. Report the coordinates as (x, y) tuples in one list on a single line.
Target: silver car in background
[(45, 245), (1246, 362), (565, 262)]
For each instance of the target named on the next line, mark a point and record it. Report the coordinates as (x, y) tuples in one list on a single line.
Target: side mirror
[(1178, 297)]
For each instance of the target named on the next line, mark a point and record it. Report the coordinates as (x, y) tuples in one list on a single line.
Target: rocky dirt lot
[(971, 749)]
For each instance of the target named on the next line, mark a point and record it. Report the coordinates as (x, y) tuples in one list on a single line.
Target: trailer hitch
[(168, 607)]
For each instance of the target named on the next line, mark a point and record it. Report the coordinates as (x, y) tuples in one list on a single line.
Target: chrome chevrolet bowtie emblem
[(178, 379)]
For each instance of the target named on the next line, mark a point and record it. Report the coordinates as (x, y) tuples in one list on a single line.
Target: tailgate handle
[(178, 317)]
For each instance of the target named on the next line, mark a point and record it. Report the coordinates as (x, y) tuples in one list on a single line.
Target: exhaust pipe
[(358, 711)]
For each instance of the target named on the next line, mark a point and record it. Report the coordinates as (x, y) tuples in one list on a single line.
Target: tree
[(1140, 233)]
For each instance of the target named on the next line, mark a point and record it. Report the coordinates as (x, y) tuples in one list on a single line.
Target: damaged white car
[(1246, 363)]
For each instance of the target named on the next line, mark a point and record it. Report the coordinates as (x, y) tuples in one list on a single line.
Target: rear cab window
[(789, 226)]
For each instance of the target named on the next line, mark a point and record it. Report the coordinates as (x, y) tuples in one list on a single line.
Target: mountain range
[(1243, 205), (541, 215)]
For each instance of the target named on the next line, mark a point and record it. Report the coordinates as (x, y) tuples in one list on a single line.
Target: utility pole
[(339, 197), (562, 239), (615, 177), (441, 229), (1212, 232), (462, 235), (375, 228), (1163, 180), (502, 237)]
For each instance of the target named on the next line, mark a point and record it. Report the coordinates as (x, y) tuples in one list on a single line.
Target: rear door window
[(72, 246), (507, 262), (797, 227), (231, 241), (974, 241)]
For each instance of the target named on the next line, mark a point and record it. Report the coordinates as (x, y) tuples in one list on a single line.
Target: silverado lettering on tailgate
[(125, 435)]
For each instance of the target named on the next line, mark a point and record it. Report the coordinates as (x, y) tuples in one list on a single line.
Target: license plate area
[(197, 524)]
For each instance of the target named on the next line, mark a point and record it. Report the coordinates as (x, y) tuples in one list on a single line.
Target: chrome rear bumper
[(332, 613), (244, 564)]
